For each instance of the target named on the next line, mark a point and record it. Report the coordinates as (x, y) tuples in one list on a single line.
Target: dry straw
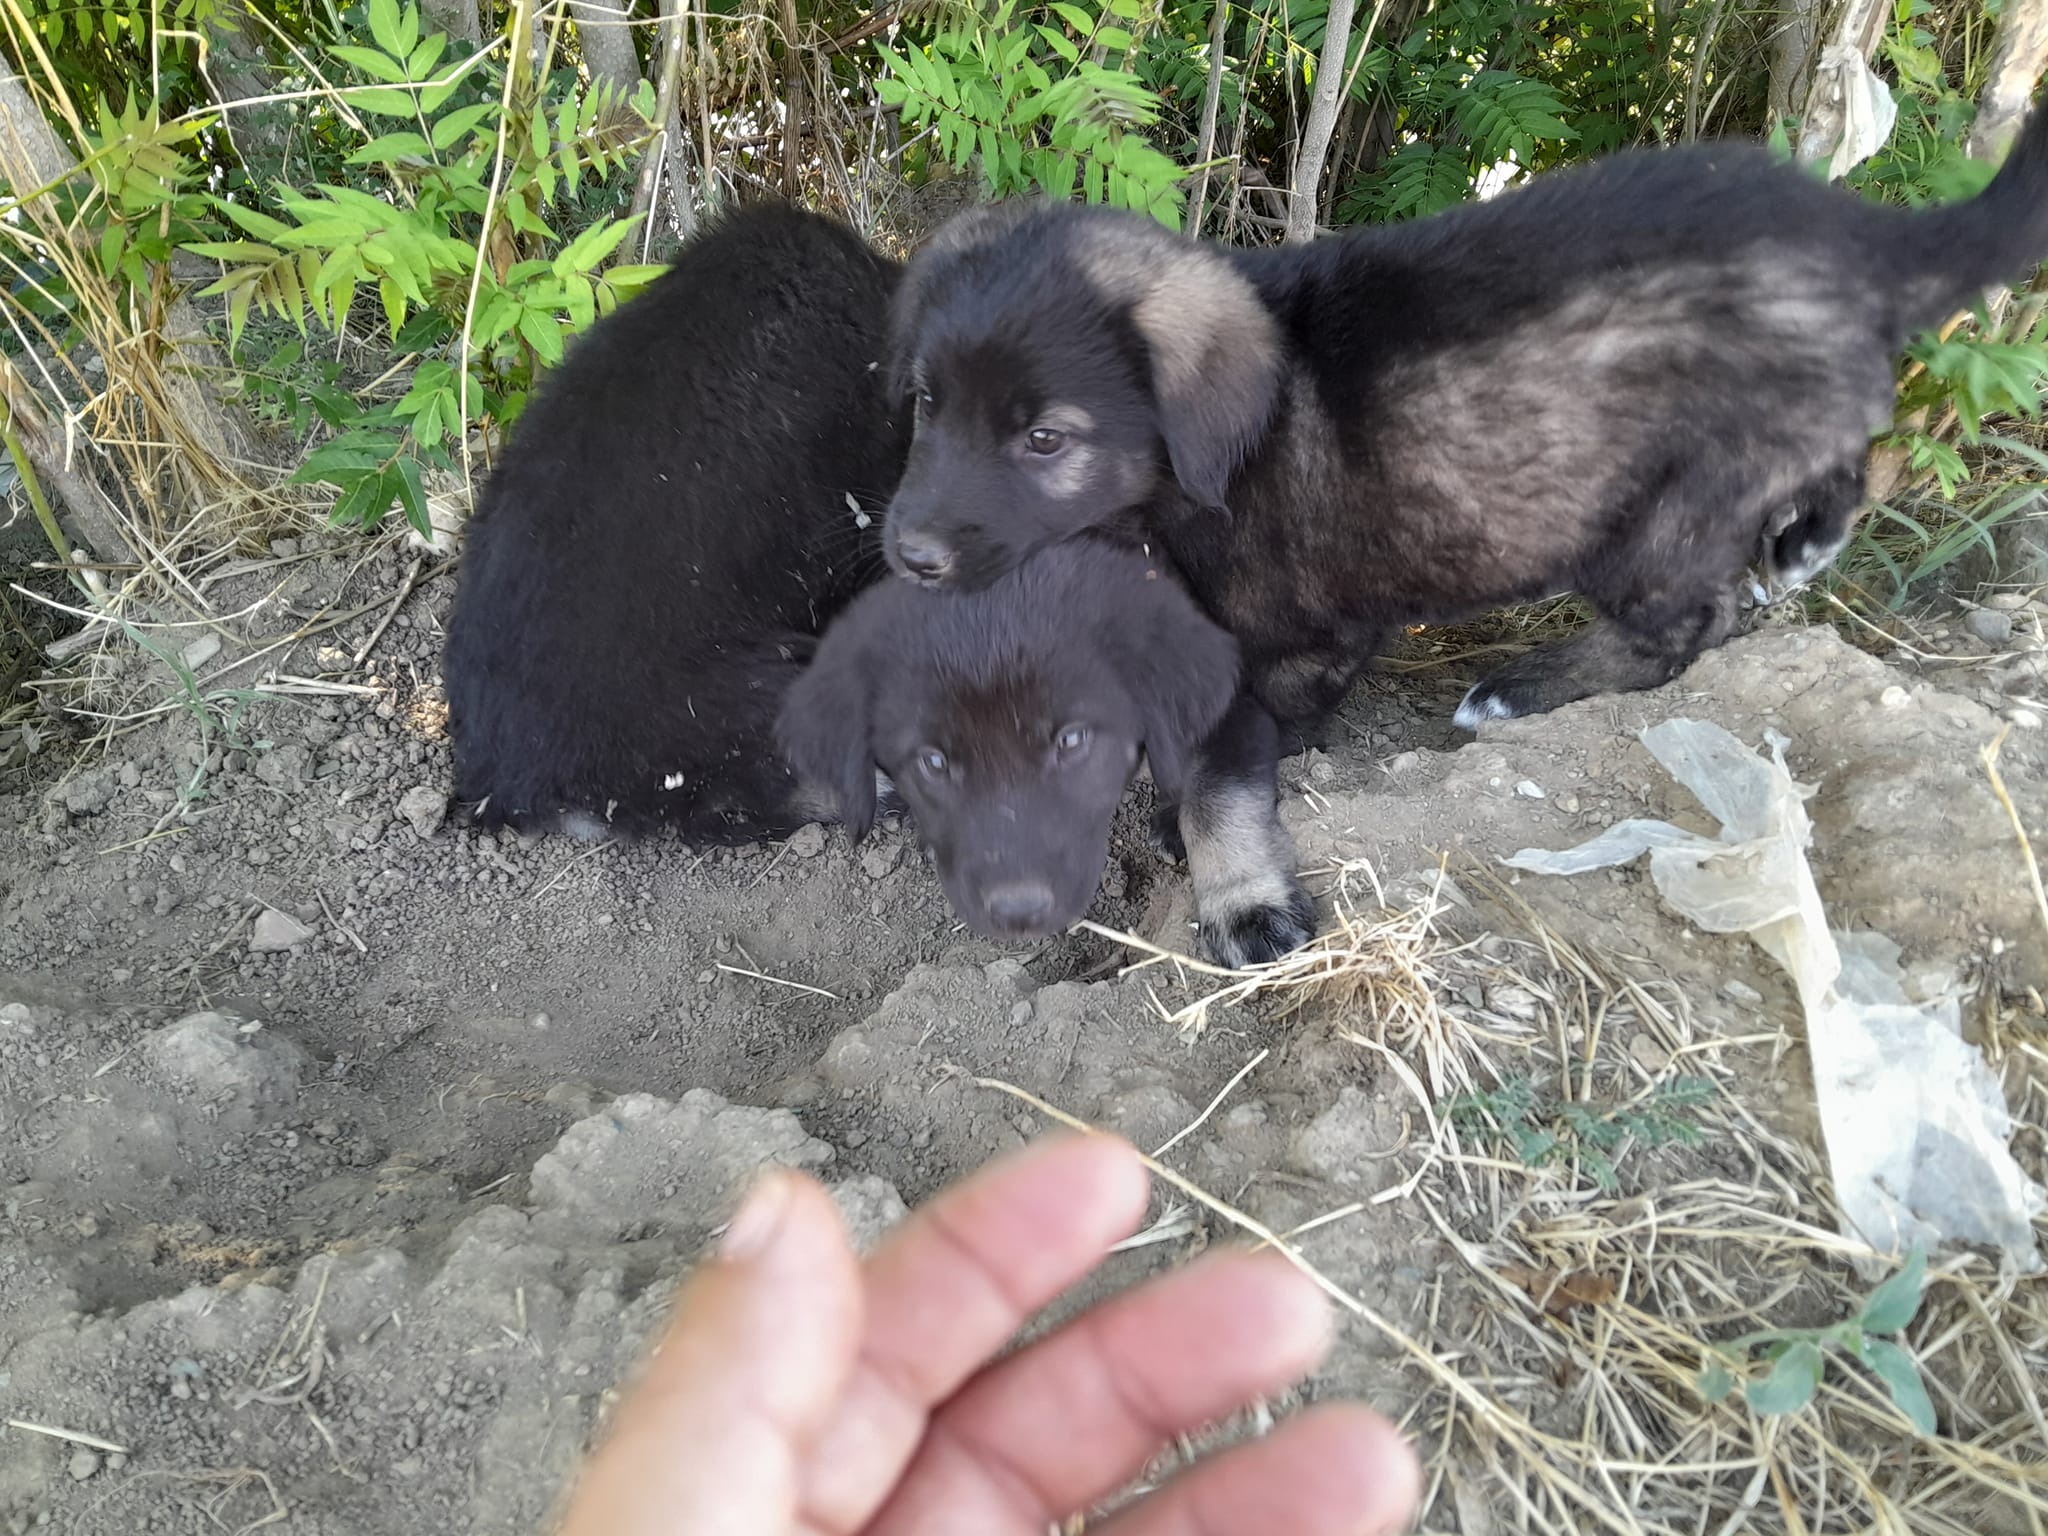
[(1570, 1405)]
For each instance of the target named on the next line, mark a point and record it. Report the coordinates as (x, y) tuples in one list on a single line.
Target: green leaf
[(365, 501), (1792, 1382), (588, 250), (1901, 1376), (372, 63), (387, 29), (412, 496), (543, 334), (1892, 1306), (1715, 1382), (391, 147), (457, 124), (379, 102)]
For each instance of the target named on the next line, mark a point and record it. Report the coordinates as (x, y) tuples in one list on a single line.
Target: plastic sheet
[(1915, 1121)]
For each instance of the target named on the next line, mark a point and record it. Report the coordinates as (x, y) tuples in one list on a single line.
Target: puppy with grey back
[(1010, 719), (1632, 380)]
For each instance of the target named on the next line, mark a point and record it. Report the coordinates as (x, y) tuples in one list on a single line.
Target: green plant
[(457, 247), (1027, 91), (1798, 1356), (1592, 1136)]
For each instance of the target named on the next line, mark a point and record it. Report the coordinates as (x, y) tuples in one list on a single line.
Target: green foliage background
[(470, 204)]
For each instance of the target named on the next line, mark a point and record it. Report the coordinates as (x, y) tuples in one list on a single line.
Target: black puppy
[(1630, 380), (667, 534), (1011, 718)]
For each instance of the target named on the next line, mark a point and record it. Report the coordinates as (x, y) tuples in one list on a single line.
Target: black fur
[(1630, 380), (963, 699), (667, 534)]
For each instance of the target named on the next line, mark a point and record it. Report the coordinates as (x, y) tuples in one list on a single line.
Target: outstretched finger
[(715, 1435), (1065, 1422), (1337, 1470), (949, 1289)]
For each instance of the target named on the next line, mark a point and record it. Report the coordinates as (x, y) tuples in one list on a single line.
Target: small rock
[(1648, 1054), (1895, 697), (88, 794), (2023, 717), (1569, 804), (1989, 625), (200, 652), (1742, 992), (209, 1054), (879, 860), (1529, 789), (84, 1463), (1516, 1002), (275, 930), (424, 807), (807, 841), (2007, 602)]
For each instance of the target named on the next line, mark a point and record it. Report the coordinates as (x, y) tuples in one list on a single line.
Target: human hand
[(803, 1392)]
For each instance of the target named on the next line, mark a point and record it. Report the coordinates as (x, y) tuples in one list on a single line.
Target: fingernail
[(753, 1229)]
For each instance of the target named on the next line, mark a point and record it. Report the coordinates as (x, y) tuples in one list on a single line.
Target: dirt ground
[(347, 1158)]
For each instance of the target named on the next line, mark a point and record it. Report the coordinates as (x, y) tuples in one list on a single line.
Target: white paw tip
[(1478, 708)]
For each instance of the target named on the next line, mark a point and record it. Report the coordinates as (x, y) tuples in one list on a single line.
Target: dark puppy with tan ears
[(1631, 380), (1011, 718)]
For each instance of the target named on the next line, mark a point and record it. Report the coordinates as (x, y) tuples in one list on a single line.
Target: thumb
[(712, 1439)]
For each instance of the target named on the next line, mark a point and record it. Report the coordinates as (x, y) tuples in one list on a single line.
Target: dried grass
[(1582, 1415)]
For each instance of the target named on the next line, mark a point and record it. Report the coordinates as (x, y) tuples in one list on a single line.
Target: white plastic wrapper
[(1915, 1121), (1868, 111)]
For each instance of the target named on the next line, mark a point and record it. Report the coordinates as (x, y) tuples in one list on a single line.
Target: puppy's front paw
[(1166, 837), (1497, 698), (1264, 931)]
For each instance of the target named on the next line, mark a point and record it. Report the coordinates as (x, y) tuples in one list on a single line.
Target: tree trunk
[(1792, 58), (1212, 99), (792, 101), (607, 42), (1304, 195), (2018, 55), (668, 158), (457, 18), (238, 71)]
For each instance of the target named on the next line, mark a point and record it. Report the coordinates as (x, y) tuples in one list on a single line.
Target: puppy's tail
[(1954, 253)]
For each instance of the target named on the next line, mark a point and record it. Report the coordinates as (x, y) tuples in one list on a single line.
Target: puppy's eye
[(1072, 740), (1045, 440), (932, 763)]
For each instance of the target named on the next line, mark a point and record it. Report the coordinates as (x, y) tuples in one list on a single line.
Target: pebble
[(1648, 1054), (83, 1462), (200, 652), (2007, 602), (1529, 789), (807, 841), (275, 930), (1895, 697), (423, 807), (2023, 717), (879, 860), (1742, 992), (1989, 625)]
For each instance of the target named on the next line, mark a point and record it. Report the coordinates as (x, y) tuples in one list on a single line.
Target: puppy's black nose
[(924, 560), (1023, 906)]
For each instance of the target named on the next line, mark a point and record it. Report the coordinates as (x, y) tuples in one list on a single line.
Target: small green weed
[(1798, 1356), (1593, 1136)]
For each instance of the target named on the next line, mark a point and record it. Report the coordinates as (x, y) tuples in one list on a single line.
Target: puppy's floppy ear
[(1181, 668), (982, 225), (825, 725), (1216, 348)]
